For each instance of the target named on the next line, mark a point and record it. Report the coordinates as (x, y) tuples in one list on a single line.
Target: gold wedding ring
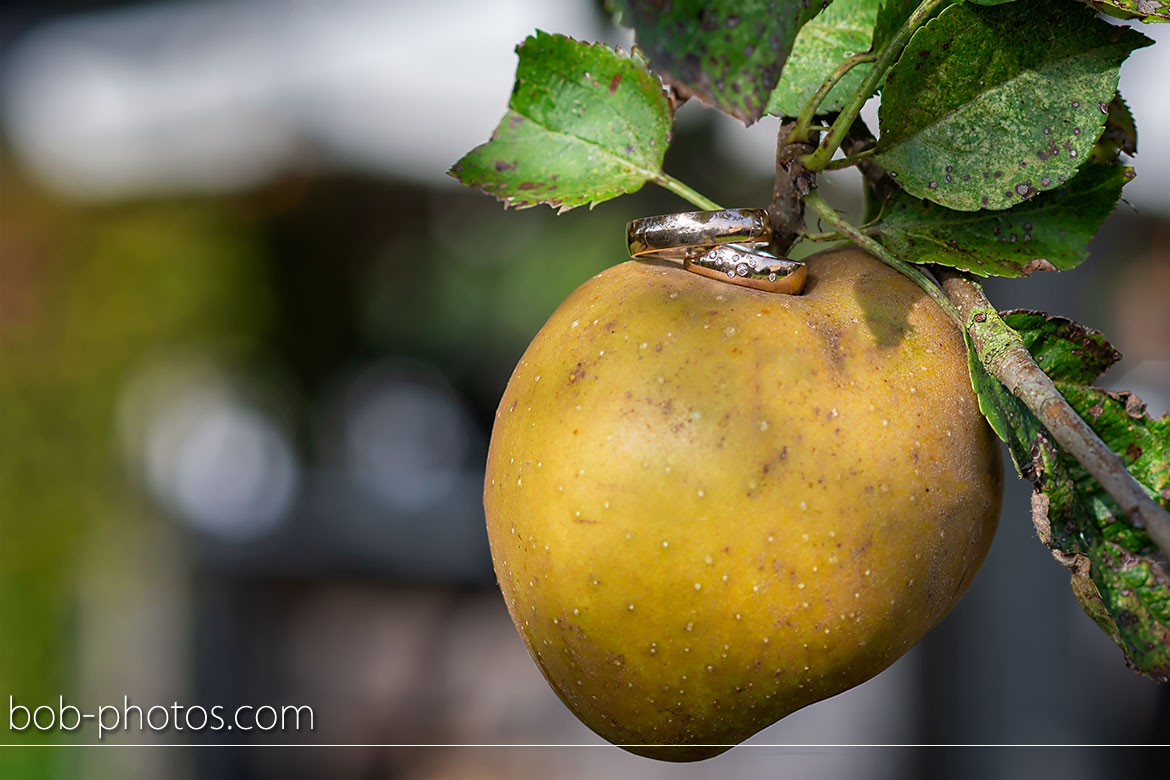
[(669, 235), (748, 268), (719, 245)]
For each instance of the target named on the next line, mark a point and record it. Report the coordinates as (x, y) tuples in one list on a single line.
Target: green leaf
[(989, 106), (842, 30), (894, 13), (890, 16), (1011, 420), (1144, 10), (727, 53), (1050, 232), (1130, 575), (1118, 575), (585, 124), (1066, 350)]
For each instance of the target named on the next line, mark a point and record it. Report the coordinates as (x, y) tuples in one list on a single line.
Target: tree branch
[(792, 183), (1019, 373), (1015, 368)]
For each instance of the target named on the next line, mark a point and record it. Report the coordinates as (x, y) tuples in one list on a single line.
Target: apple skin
[(710, 506)]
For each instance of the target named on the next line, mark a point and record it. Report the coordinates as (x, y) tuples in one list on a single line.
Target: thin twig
[(807, 236), (849, 161), (1006, 358), (916, 275), (886, 58), (800, 130)]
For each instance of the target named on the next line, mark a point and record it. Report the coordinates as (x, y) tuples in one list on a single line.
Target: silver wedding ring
[(719, 245), (667, 235), (748, 268)]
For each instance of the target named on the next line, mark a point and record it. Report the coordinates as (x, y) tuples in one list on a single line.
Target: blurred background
[(251, 343)]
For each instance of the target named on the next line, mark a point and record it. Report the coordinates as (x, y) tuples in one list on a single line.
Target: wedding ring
[(748, 268), (670, 235)]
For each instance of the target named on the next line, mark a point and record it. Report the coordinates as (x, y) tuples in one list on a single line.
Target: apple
[(710, 506)]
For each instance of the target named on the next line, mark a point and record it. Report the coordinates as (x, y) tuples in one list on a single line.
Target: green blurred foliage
[(84, 298), (311, 283)]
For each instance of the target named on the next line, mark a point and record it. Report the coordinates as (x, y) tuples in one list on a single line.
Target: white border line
[(571, 745)]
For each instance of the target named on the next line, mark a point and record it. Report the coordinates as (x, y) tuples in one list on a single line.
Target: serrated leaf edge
[(516, 202)]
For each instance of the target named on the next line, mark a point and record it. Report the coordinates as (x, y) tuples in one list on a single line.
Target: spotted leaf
[(727, 53), (841, 30), (1067, 351), (1050, 232), (989, 106), (585, 123), (1118, 575)]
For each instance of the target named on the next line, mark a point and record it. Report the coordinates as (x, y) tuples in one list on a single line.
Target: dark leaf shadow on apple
[(888, 329)]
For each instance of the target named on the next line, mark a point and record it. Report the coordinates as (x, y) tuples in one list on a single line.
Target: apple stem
[(850, 161), (1019, 373), (854, 234), (668, 182), (831, 236)]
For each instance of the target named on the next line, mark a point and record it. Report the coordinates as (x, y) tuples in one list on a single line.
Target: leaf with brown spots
[(843, 29), (1050, 232), (988, 106), (1066, 350), (727, 53), (1118, 575), (585, 123)]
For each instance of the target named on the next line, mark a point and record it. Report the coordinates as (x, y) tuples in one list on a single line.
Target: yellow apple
[(710, 506)]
